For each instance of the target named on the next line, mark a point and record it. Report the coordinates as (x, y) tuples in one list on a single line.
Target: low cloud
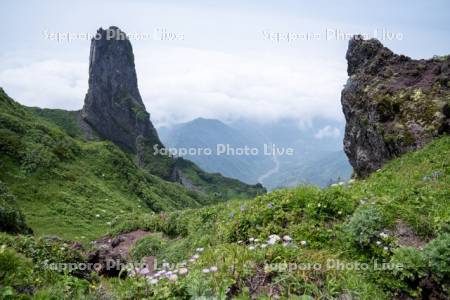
[(328, 132), (49, 83), (180, 84)]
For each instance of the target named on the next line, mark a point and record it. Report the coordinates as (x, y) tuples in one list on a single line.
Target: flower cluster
[(273, 239), (212, 269), (384, 242), (165, 273)]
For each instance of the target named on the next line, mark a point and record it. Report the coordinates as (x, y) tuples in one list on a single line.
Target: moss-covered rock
[(392, 103)]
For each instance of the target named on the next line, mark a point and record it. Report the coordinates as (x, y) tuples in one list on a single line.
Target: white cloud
[(328, 132), (179, 84), (49, 83)]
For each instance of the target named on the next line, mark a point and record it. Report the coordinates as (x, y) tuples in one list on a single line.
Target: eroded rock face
[(392, 103), (113, 105)]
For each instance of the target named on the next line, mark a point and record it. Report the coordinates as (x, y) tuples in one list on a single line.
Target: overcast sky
[(216, 60)]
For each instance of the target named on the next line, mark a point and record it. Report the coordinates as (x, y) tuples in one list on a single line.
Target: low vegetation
[(303, 243)]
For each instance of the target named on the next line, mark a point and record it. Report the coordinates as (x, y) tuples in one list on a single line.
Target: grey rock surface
[(113, 105)]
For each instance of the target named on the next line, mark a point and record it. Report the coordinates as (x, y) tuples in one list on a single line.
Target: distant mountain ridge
[(318, 161), (209, 133)]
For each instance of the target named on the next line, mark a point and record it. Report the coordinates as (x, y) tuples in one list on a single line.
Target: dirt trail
[(115, 249), (122, 243)]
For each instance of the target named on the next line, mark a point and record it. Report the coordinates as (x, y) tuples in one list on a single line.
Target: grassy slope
[(414, 189), (73, 188), (213, 185), (46, 170)]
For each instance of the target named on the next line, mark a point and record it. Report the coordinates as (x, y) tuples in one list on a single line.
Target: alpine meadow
[(260, 150)]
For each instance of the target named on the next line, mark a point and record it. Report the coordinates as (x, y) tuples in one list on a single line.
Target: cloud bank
[(179, 84)]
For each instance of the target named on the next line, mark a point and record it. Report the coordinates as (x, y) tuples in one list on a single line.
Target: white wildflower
[(199, 249), (205, 271), (195, 256), (251, 248), (303, 243), (153, 281), (213, 269), (287, 238), (263, 246), (173, 277), (183, 271), (251, 239), (384, 235), (378, 243), (273, 239)]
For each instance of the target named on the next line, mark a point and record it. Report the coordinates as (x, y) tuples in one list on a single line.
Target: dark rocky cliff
[(113, 105), (392, 103)]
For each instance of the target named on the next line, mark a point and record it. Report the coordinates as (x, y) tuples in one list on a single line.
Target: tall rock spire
[(113, 106)]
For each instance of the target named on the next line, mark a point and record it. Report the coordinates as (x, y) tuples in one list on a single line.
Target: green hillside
[(76, 189), (399, 216)]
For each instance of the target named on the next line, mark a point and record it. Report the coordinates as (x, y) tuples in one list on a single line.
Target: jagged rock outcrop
[(113, 106), (113, 110), (392, 103)]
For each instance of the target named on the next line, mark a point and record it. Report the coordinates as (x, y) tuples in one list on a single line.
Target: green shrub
[(148, 246), (437, 256), (334, 202), (14, 272), (412, 263), (21, 279), (37, 156), (10, 142), (11, 217), (45, 251), (365, 225)]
